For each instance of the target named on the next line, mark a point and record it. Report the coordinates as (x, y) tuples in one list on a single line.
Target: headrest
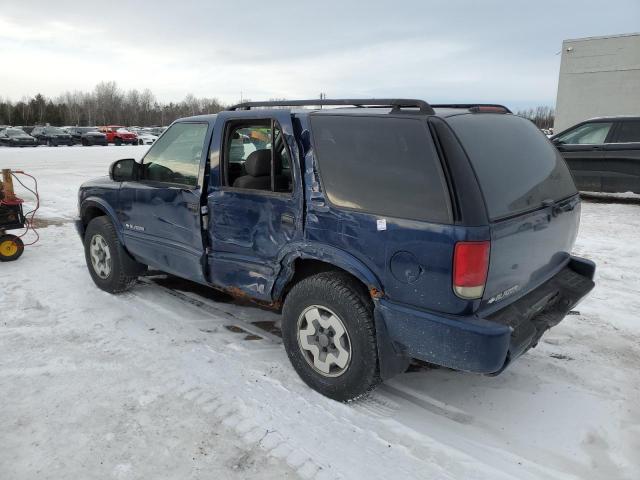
[(258, 163)]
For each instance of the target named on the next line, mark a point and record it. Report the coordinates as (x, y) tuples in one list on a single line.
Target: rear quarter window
[(629, 132), (516, 165), (381, 165)]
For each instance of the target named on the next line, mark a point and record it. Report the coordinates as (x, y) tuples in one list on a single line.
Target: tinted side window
[(175, 158), (588, 134), (629, 131), (385, 166)]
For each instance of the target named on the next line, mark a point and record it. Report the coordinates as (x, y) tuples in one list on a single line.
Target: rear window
[(384, 166), (517, 167)]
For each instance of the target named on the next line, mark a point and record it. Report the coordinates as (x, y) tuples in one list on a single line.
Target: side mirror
[(125, 170)]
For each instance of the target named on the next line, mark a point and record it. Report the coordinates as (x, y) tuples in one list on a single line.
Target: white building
[(598, 76)]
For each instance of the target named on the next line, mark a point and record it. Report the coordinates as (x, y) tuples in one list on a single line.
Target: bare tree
[(542, 116), (107, 104)]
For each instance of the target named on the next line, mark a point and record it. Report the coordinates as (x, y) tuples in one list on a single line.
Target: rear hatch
[(531, 201)]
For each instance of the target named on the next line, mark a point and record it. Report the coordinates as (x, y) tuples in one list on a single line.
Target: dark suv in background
[(88, 136), (16, 137), (603, 154), (52, 136), (387, 231)]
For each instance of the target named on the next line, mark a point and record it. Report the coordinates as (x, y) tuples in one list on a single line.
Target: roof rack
[(476, 107), (395, 103)]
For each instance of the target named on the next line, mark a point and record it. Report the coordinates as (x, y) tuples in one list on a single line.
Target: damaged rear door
[(255, 199)]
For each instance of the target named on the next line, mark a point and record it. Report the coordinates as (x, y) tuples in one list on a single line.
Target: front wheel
[(118, 141), (110, 266), (329, 334)]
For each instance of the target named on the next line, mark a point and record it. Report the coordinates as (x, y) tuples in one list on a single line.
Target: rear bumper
[(487, 345)]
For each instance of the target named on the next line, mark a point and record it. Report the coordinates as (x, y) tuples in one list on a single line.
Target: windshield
[(517, 167), (56, 130), (14, 132)]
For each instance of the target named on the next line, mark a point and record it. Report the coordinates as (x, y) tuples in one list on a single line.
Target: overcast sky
[(454, 50)]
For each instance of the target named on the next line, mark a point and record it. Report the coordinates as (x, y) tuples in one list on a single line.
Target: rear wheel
[(11, 248), (110, 266), (329, 334)]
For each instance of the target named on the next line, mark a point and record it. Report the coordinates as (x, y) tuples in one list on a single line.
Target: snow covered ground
[(159, 383)]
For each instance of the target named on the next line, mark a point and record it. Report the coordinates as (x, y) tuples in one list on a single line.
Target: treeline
[(107, 104), (542, 116)]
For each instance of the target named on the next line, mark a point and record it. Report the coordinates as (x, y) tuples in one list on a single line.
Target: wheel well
[(90, 213), (306, 267)]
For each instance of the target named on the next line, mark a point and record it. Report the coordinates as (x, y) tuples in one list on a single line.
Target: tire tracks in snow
[(371, 418)]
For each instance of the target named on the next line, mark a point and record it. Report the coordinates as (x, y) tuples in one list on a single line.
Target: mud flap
[(390, 362)]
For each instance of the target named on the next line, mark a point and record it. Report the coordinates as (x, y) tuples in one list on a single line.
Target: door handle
[(287, 219)]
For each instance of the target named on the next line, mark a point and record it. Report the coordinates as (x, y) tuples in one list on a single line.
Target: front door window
[(588, 134), (175, 157)]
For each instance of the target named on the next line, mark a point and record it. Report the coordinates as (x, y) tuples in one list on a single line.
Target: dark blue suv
[(384, 230)]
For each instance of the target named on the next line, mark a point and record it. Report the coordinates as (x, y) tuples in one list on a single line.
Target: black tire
[(11, 248), (84, 142), (339, 293), (123, 270), (118, 141)]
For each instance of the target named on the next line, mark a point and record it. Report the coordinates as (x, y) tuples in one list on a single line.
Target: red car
[(118, 134)]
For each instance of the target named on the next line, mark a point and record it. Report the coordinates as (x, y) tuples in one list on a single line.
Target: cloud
[(455, 51)]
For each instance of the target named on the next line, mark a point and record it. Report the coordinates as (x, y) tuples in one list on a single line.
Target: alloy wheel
[(324, 341)]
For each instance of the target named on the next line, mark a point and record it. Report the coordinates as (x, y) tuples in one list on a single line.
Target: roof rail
[(395, 103), (476, 107)]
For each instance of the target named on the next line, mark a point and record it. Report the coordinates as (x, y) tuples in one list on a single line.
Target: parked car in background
[(144, 136), (157, 131), (603, 154), (16, 137), (119, 135), (25, 128), (52, 136), (408, 230), (88, 136)]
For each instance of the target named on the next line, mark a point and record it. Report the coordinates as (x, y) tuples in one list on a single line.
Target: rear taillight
[(470, 267)]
